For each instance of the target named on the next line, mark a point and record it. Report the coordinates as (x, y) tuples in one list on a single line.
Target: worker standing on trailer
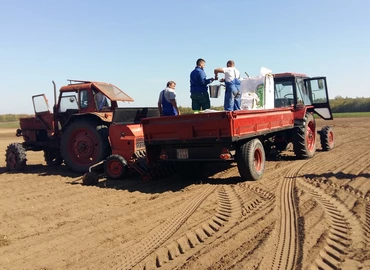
[(167, 104), (198, 87), (232, 83)]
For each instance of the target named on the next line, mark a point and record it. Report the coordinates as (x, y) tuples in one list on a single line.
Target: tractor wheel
[(304, 139), (251, 160), (53, 157), (90, 179), (15, 157), (115, 167), (327, 138), (84, 144)]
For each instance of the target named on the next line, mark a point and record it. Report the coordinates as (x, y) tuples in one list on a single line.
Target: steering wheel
[(289, 94)]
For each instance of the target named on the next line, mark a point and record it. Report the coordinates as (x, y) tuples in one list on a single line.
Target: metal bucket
[(214, 90)]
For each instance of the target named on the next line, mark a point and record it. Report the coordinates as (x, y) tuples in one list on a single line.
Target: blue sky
[(140, 45)]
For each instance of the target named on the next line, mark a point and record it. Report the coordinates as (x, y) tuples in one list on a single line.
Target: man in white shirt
[(167, 104), (232, 83)]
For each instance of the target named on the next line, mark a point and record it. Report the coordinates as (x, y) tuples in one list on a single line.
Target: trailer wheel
[(327, 138), (84, 144), (15, 157), (52, 157), (304, 139), (115, 167), (251, 160), (90, 179)]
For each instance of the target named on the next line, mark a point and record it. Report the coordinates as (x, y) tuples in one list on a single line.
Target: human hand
[(222, 80)]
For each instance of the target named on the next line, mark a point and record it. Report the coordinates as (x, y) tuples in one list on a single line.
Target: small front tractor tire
[(304, 139), (15, 157), (327, 138), (251, 160), (115, 167)]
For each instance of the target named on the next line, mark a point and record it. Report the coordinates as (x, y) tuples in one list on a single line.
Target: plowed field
[(303, 214)]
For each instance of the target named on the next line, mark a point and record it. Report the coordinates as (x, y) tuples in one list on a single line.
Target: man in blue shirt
[(198, 87)]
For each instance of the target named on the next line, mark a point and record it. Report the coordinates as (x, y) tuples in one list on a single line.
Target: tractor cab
[(87, 96), (298, 90)]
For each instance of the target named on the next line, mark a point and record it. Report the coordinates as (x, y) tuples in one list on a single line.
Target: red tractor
[(77, 132)]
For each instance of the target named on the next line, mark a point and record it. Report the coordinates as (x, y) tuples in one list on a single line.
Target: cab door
[(42, 111), (318, 91)]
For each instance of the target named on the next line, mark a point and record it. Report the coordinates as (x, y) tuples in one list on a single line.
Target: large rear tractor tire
[(15, 157), (304, 139), (327, 138), (115, 167), (53, 157), (84, 144), (251, 160)]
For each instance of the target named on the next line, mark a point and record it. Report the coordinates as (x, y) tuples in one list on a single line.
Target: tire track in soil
[(178, 251), (358, 194), (287, 247), (346, 165), (241, 240), (348, 139), (86, 215), (160, 234), (345, 231), (88, 234), (238, 203), (283, 240), (253, 202), (367, 221), (334, 161)]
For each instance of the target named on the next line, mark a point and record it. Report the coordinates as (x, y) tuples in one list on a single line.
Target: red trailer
[(245, 136)]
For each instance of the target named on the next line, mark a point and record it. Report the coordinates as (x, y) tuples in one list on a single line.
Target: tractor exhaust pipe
[(55, 118), (55, 93)]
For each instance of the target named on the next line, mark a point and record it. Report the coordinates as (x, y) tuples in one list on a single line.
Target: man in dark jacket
[(198, 87)]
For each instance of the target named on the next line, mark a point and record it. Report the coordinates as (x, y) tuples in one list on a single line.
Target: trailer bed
[(216, 126)]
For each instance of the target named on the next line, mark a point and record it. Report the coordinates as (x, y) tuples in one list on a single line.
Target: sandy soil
[(303, 214)]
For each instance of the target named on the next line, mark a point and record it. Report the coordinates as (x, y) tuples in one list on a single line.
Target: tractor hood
[(109, 90)]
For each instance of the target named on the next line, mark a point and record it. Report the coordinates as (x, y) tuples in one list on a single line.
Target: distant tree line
[(338, 105), (12, 117), (342, 105)]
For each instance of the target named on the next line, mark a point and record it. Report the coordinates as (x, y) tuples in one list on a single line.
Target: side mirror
[(320, 83)]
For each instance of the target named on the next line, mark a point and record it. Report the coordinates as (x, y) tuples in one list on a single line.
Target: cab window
[(84, 99), (303, 96), (284, 94), (68, 101)]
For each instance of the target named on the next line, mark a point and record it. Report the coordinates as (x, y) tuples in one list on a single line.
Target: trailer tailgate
[(259, 122)]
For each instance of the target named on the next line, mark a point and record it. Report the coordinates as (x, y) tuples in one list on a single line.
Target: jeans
[(200, 101), (232, 96)]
